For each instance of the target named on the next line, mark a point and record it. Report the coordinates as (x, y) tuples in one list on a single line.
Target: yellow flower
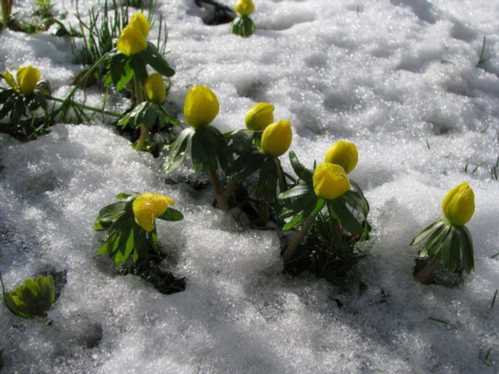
[(259, 116), (201, 106), (140, 22), (276, 138), (132, 41), (155, 89), (27, 79), (149, 206), (245, 7), (343, 153), (458, 204), (330, 181)]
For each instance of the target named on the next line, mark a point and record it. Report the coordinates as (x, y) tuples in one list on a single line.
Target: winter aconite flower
[(244, 7), (133, 38), (26, 79), (201, 106), (343, 153), (330, 181), (149, 206), (155, 89), (259, 116), (458, 204), (140, 22), (276, 138)]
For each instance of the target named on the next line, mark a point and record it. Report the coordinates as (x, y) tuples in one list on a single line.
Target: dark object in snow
[(215, 13), (427, 271), (336, 265), (152, 271), (89, 334)]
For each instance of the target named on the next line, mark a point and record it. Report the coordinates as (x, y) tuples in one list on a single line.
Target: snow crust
[(398, 77)]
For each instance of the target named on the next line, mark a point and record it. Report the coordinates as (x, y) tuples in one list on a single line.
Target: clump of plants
[(32, 298), (131, 239), (243, 25), (99, 33), (41, 19), (326, 215), (205, 145), (27, 108), (446, 246), (24, 111), (255, 166)]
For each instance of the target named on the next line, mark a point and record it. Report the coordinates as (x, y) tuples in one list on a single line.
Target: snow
[(397, 77)]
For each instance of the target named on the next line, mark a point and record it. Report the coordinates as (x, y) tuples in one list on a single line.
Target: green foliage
[(121, 69), (205, 146), (44, 8), (243, 26), (155, 119), (104, 25), (25, 117), (33, 298), (450, 245), (126, 242), (325, 232), (98, 41), (350, 211)]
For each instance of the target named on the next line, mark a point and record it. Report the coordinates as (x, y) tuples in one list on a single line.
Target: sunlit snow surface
[(398, 77)]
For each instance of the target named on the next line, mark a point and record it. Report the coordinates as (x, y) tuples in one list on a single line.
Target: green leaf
[(126, 76), (426, 232), (33, 298), (177, 150), (296, 220), (172, 215), (467, 255), (110, 214), (208, 149), (296, 191), (357, 201), (154, 58), (433, 245), (9, 79), (243, 26), (123, 196), (301, 171), (347, 219)]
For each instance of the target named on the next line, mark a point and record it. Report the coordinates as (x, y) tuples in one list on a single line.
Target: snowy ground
[(398, 77)]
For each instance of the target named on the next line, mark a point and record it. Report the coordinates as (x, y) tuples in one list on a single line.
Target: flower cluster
[(321, 211)]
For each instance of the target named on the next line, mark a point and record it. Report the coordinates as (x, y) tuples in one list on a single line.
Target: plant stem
[(138, 89), (280, 175), (86, 107), (219, 191), (297, 238)]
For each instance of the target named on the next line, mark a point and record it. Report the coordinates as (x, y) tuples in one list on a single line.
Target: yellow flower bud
[(245, 7), (330, 181), (140, 22), (201, 106), (343, 153), (458, 204), (132, 41), (27, 79), (276, 138), (155, 89), (149, 206), (259, 116)]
